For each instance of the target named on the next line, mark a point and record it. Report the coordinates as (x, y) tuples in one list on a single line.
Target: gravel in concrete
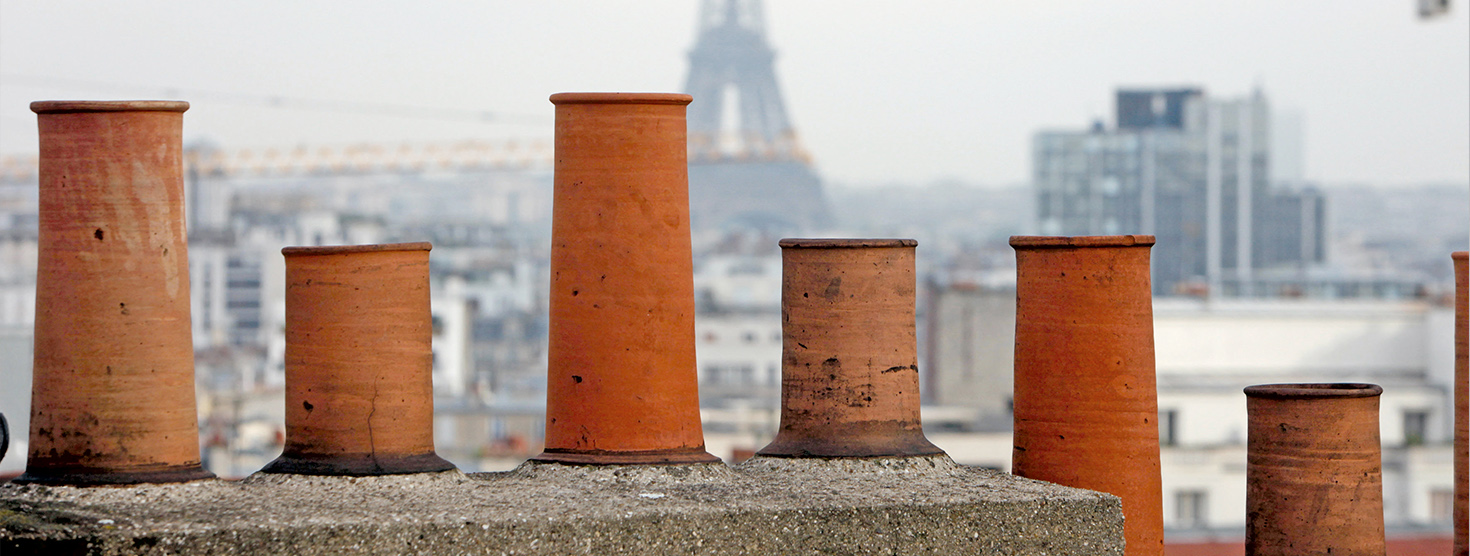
[(766, 505)]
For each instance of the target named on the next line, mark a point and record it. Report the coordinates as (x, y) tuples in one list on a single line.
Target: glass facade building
[(1195, 173)]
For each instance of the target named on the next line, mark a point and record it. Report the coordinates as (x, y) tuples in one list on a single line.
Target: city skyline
[(879, 93), (495, 354)]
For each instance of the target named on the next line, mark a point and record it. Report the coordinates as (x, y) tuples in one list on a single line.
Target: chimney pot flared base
[(357, 465), (697, 455), (62, 476)]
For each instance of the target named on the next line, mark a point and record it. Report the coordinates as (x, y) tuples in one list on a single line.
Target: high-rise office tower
[(1192, 171)]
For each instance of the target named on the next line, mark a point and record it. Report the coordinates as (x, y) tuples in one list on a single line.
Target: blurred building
[(969, 351), (1206, 352), (738, 331), (1194, 172)]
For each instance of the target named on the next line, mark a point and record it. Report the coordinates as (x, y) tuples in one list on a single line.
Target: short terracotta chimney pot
[(1314, 471), (112, 395), (359, 365), (849, 365), (1086, 399), (621, 380)]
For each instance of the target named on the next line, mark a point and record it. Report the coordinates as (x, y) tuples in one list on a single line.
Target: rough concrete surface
[(916, 505)]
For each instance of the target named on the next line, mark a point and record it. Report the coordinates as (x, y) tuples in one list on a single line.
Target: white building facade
[(1208, 351)]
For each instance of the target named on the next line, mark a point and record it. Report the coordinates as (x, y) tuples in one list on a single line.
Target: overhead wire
[(278, 101)]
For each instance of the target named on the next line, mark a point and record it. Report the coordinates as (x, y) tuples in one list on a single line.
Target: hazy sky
[(879, 91)]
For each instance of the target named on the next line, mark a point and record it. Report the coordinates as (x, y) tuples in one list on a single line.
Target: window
[(1441, 505), (1168, 429), (741, 375), (242, 304), (1190, 509), (713, 374), (1416, 426)]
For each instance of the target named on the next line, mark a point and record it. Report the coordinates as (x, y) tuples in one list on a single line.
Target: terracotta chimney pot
[(1462, 405), (359, 364), (849, 365), (1314, 471), (1086, 400), (112, 397), (621, 380)]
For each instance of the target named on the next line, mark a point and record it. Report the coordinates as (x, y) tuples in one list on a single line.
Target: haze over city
[(1229, 195), (880, 92)]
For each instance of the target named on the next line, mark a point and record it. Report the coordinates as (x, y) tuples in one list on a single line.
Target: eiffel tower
[(746, 168)]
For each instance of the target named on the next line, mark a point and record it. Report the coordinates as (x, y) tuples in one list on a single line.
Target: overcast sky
[(879, 91)]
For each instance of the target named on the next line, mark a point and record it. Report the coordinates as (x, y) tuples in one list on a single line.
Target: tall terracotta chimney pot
[(621, 381), (1086, 401), (1462, 404), (112, 395)]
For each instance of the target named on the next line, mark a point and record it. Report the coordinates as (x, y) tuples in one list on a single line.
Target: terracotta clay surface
[(1462, 405), (621, 382), (1314, 476), (849, 365), (359, 367), (112, 395), (1086, 402)]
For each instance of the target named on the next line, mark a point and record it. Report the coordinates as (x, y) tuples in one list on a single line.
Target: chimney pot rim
[(1313, 390), (344, 249), (679, 99), (75, 106), (1044, 242), (844, 243)]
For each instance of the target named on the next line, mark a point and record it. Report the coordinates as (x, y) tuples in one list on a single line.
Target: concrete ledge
[(764, 506)]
